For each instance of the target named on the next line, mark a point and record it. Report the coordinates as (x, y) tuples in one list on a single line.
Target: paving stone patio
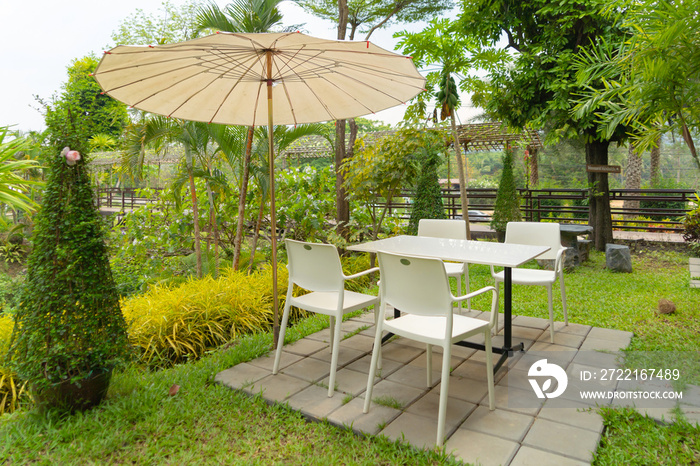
[(556, 431)]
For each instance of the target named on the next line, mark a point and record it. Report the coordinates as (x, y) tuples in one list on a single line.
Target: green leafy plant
[(507, 208), (174, 324), (68, 326), (428, 198), (11, 252), (691, 228), (12, 390)]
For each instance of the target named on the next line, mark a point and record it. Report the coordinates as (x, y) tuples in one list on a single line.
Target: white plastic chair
[(420, 288), (452, 229), (317, 268), (538, 234)]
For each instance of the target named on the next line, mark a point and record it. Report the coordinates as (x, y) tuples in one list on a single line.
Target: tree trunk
[(534, 167), (195, 221), (462, 175), (633, 178), (656, 163), (341, 202), (599, 216), (241, 199), (256, 235)]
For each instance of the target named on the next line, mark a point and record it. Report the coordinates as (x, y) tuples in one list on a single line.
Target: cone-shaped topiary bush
[(69, 326), (428, 198), (507, 208)]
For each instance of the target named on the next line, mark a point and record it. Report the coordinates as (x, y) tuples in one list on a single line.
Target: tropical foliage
[(650, 79), (14, 187)]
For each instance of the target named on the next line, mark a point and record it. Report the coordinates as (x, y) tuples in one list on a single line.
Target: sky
[(40, 38)]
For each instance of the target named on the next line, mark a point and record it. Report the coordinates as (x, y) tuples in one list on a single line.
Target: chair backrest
[(535, 234), (313, 266), (416, 285), (440, 228)]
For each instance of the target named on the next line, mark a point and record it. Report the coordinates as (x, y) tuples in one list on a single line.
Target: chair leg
[(466, 284), (551, 312), (335, 349), (563, 300), (376, 354), (429, 365), (459, 292), (280, 342), (377, 316), (494, 329), (444, 390), (489, 370)]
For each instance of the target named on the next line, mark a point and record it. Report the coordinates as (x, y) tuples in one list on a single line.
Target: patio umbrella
[(258, 79)]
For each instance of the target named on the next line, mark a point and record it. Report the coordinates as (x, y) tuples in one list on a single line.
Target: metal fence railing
[(632, 209)]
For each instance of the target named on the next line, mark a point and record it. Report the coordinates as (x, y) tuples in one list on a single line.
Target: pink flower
[(72, 156)]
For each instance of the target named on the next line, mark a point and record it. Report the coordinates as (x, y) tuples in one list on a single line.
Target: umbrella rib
[(257, 96), (320, 76)]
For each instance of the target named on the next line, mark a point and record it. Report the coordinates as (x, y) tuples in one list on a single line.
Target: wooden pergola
[(495, 136), (475, 137)]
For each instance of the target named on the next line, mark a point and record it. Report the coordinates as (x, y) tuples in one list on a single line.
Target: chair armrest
[(494, 301), (359, 274), (474, 293), (558, 259)]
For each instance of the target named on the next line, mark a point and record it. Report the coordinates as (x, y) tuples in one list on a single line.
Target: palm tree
[(241, 16), (199, 140), (13, 185), (283, 137)]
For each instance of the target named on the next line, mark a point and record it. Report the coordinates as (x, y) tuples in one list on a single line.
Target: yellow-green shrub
[(12, 390), (173, 324)]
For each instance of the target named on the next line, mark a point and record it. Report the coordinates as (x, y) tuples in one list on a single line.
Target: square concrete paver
[(566, 440), (309, 369), (349, 381), (528, 456), (400, 393), (533, 322), (266, 362), (241, 375), (305, 346), (479, 448), (277, 387), (499, 423), (428, 407), (314, 402), (572, 413), (351, 415), (414, 376)]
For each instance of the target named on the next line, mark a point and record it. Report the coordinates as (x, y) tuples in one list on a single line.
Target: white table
[(474, 252)]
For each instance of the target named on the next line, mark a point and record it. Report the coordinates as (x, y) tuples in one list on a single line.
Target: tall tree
[(651, 79), (536, 87), (82, 110), (442, 45), (241, 16), (172, 23), (364, 17)]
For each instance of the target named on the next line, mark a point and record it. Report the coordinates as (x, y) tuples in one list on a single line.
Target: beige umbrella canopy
[(258, 79)]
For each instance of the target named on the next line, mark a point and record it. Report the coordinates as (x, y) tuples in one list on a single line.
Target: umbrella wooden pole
[(273, 217)]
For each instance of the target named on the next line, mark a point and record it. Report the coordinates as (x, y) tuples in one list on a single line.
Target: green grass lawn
[(205, 423)]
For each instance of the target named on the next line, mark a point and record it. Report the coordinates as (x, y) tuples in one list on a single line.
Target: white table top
[(475, 252)]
